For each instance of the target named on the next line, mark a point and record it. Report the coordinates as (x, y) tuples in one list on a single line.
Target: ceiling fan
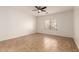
[(40, 9)]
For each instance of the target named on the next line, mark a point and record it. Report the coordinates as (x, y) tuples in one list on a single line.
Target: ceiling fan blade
[(44, 8), (38, 7)]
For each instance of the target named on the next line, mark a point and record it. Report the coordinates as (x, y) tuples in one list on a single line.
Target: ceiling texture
[(49, 9)]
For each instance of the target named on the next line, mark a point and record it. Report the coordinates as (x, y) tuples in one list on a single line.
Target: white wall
[(76, 25), (64, 24), (15, 23)]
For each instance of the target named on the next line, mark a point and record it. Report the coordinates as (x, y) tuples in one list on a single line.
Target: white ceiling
[(50, 9)]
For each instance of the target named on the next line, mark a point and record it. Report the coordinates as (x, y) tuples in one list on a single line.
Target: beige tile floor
[(39, 43)]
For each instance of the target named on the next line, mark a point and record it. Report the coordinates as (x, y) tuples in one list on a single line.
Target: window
[(51, 24)]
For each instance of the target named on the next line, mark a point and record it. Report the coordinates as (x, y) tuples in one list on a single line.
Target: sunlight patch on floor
[(50, 43)]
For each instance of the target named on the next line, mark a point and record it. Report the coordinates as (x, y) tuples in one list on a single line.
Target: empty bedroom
[(39, 29)]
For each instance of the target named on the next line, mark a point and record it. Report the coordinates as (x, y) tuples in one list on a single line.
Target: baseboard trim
[(16, 37), (55, 35)]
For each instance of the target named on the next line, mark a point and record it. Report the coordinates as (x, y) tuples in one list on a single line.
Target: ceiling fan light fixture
[(39, 11)]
